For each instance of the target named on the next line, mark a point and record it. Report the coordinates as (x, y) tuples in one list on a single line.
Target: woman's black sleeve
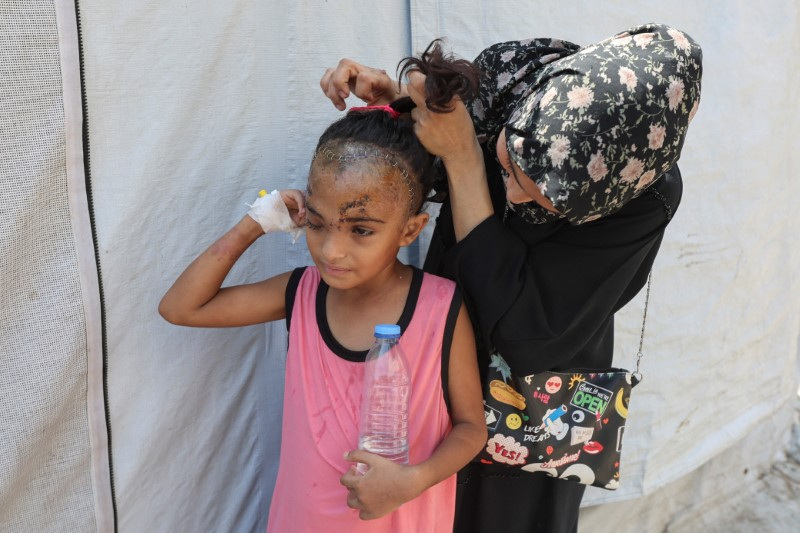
[(542, 295)]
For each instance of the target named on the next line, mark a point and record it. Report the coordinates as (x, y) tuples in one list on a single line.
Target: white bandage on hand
[(273, 215)]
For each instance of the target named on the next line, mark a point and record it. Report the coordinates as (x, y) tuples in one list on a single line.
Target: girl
[(366, 188)]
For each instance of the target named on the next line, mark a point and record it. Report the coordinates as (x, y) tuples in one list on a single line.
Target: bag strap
[(637, 374)]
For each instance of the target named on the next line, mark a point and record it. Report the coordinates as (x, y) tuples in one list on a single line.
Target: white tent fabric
[(195, 106), (54, 470)]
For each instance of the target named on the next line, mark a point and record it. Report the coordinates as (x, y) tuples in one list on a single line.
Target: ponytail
[(446, 76)]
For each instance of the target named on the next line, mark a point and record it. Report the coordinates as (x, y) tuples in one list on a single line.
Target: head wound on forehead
[(348, 154), (374, 134)]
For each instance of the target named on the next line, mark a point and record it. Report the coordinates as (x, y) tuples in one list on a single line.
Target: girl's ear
[(414, 225)]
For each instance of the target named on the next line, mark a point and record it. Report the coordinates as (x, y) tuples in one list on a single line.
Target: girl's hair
[(445, 76), (376, 135)]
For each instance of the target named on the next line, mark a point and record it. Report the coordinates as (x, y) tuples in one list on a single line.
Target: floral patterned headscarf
[(593, 126)]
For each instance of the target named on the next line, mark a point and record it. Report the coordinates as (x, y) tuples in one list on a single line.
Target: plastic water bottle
[(384, 404)]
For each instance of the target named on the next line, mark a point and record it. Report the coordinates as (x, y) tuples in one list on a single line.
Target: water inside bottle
[(386, 428), (383, 428)]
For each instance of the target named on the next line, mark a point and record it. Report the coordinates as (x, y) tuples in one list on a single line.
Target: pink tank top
[(321, 408)]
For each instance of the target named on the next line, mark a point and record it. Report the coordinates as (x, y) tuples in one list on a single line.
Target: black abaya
[(544, 297)]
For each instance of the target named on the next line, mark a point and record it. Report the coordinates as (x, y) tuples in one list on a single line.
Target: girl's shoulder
[(438, 289), (304, 274), (309, 278), (435, 282)]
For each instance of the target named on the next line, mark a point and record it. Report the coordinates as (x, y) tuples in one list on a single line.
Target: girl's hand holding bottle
[(384, 487)]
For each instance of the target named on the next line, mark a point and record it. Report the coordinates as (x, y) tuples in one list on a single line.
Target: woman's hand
[(448, 135), (384, 487), (451, 136), (372, 85)]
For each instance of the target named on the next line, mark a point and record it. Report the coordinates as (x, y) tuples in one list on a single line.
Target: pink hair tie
[(393, 113)]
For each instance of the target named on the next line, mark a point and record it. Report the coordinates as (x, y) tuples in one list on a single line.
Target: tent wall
[(54, 473), (193, 107)]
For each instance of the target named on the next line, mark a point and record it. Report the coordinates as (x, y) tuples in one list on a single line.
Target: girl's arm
[(197, 299), (387, 485)]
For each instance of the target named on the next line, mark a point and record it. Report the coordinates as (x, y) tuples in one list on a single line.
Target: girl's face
[(357, 221), (519, 187)]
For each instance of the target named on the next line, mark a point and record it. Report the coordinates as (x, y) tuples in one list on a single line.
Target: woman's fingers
[(325, 82), (335, 83), (416, 88), (372, 85)]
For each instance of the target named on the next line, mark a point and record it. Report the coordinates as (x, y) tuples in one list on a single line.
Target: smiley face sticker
[(553, 385), (513, 421)]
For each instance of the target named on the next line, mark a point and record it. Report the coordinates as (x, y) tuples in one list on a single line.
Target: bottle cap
[(387, 330)]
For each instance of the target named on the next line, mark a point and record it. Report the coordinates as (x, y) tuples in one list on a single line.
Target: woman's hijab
[(593, 126)]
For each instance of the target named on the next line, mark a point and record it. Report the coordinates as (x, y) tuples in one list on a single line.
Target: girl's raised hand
[(384, 487), (295, 202), (372, 85)]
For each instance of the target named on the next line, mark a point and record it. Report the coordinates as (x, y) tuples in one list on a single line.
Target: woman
[(561, 182)]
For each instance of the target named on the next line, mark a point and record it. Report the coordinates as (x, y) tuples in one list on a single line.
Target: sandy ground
[(771, 504), (732, 493)]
